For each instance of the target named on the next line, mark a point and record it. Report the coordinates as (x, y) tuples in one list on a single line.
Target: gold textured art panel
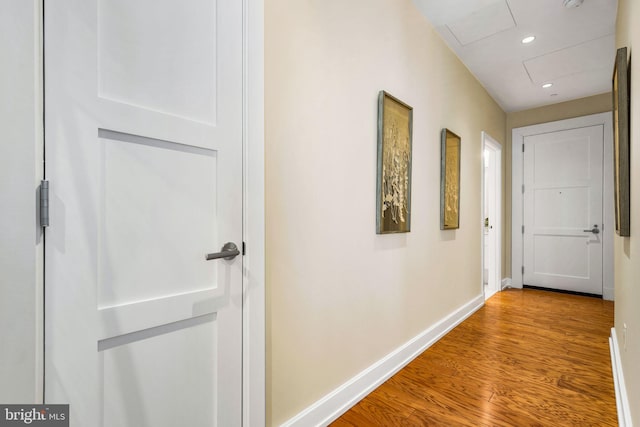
[(450, 185), (394, 165)]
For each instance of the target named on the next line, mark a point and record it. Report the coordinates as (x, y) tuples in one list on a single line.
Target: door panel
[(146, 185), (139, 393), (143, 59), (144, 154), (563, 179)]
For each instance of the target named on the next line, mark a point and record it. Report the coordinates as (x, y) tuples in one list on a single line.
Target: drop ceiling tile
[(588, 56), (483, 23), (495, 55), (441, 12)]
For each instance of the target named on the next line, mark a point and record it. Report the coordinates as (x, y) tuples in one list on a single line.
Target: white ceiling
[(574, 48)]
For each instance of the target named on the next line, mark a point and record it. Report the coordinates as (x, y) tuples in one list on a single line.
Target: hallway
[(527, 358)]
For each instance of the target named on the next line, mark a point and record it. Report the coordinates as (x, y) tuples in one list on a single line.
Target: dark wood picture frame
[(620, 90), (450, 180), (393, 192)]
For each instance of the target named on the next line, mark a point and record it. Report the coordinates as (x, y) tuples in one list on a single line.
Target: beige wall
[(627, 249), (340, 297), (564, 110)]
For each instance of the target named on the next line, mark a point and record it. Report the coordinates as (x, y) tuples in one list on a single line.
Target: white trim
[(21, 238), (518, 135), (489, 141), (622, 400), (253, 323), (39, 126), (336, 403), (608, 294), (482, 203), (506, 283)]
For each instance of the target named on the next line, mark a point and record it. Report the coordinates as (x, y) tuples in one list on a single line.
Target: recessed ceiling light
[(528, 39), (547, 85), (572, 3)]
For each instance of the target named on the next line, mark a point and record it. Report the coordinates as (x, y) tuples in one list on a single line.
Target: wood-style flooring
[(528, 358)]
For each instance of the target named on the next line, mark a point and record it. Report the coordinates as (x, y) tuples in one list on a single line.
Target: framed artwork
[(449, 180), (393, 200), (620, 92)]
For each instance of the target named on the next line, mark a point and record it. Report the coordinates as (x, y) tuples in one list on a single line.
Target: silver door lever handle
[(594, 230), (229, 252)]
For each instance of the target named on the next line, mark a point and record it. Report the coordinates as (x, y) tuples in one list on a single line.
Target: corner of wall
[(626, 259), (622, 399)]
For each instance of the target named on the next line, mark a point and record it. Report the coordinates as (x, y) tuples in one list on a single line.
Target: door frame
[(253, 278), (489, 141), (254, 320), (517, 248), (21, 238)]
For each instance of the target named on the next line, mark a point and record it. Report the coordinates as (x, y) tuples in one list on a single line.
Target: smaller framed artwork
[(393, 199), (450, 180), (620, 90)]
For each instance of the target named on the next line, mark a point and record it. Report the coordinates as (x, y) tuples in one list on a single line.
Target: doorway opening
[(491, 216)]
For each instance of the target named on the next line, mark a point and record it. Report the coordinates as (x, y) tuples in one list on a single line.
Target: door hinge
[(523, 148), (523, 229), (523, 269), (244, 248), (522, 188), (44, 203)]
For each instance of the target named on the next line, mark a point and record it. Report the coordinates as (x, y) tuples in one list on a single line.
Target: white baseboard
[(622, 400), (336, 403), (506, 283), (608, 294)]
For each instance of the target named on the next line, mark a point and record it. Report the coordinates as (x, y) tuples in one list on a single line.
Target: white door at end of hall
[(563, 210), (143, 132)]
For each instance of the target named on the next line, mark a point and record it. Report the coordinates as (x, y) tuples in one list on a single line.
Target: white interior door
[(563, 210), (143, 133), (492, 204), (489, 222)]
